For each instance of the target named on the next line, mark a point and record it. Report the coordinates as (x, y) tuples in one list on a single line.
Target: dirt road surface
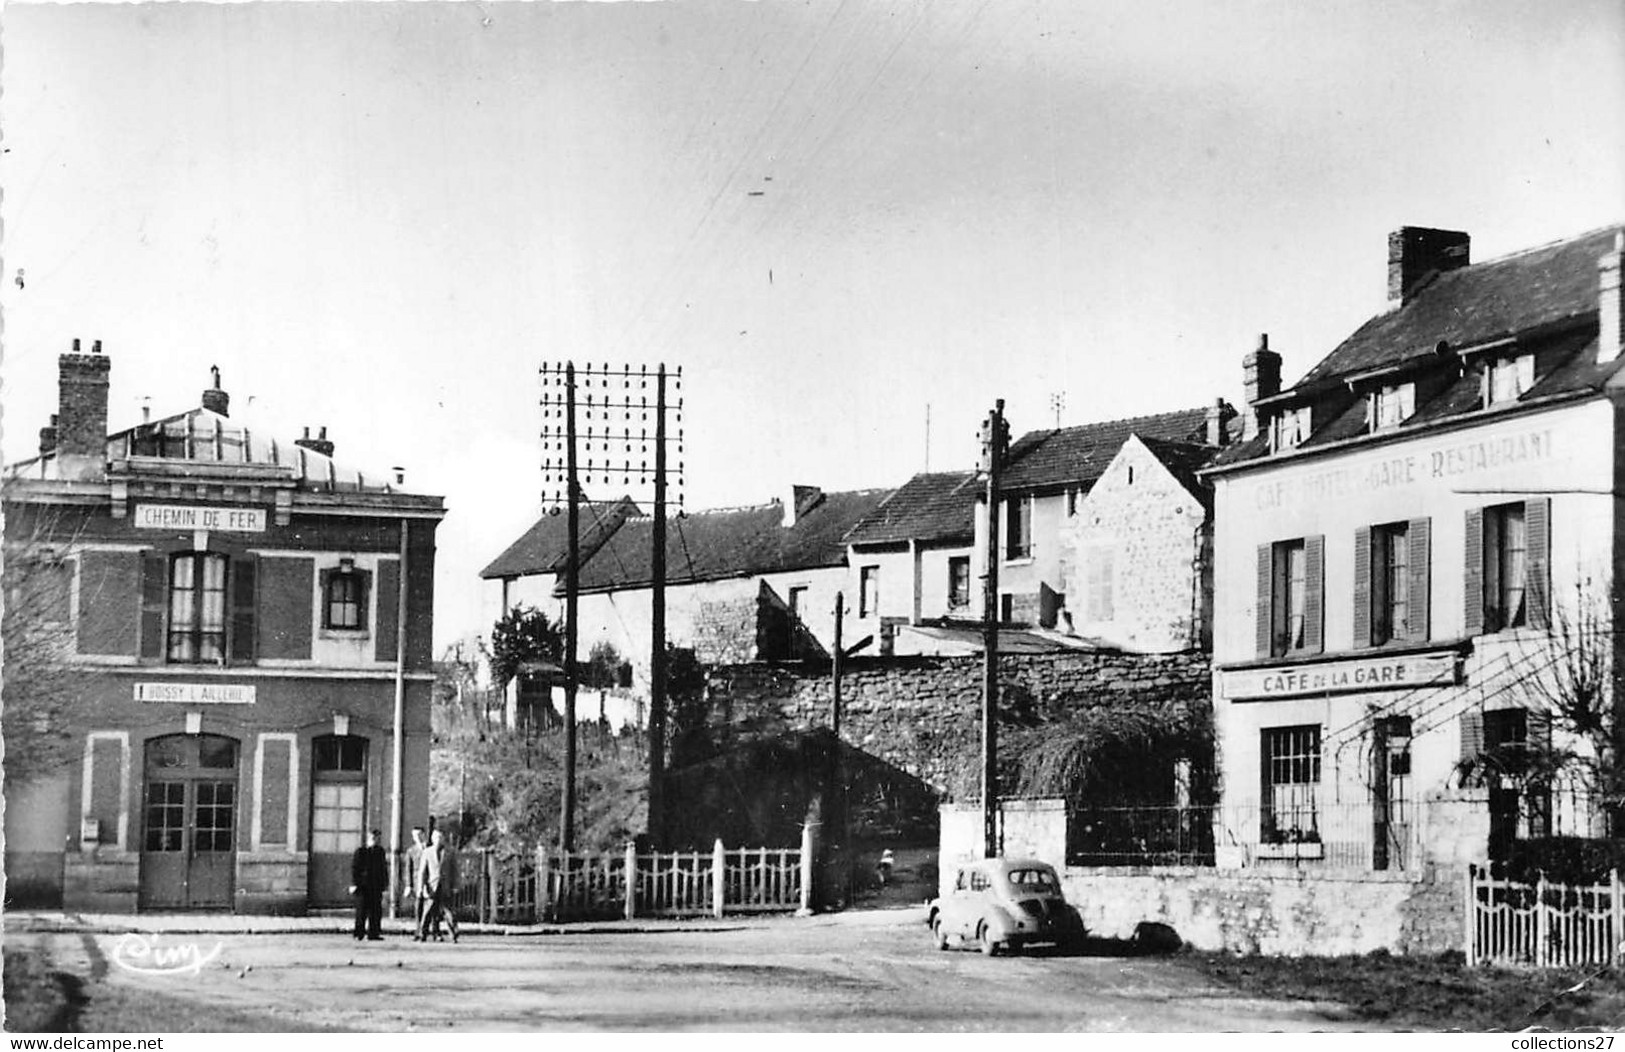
[(873, 972)]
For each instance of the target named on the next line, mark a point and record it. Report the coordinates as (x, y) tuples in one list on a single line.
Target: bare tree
[(37, 691)]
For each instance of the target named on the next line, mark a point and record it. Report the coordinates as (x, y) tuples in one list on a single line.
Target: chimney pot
[(96, 348), (1611, 302), (76, 345), (214, 399), (400, 476), (1218, 419), (1418, 254), (1261, 378), (319, 444)]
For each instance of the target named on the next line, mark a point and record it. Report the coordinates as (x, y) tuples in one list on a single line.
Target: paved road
[(840, 973)]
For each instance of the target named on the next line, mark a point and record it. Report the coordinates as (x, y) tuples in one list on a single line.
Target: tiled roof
[(202, 436), (1183, 460), (1544, 297), (938, 506), (742, 542), (1076, 456), (543, 548), (1528, 290)]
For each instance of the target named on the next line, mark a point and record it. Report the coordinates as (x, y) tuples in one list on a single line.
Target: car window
[(960, 883), (1033, 879), (979, 881)]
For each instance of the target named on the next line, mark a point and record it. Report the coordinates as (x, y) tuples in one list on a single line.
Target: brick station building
[(244, 633)]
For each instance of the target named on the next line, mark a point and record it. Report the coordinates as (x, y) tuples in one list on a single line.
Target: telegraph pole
[(835, 668), (995, 437), (567, 806), (657, 620)]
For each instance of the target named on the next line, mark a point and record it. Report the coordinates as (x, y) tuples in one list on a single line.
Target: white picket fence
[(1543, 924), (570, 886)]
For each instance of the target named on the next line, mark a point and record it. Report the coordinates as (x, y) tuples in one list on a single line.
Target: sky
[(854, 225)]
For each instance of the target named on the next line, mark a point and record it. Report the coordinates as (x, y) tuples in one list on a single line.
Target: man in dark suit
[(369, 879)]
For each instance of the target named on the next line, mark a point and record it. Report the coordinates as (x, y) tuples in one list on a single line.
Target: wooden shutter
[(1314, 582), (1537, 513), (1362, 586), (244, 582), (1472, 734), (1472, 574), (154, 593), (1419, 533), (1538, 730), (1265, 608), (389, 587)]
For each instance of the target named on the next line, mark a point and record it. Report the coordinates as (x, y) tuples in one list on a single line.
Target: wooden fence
[(574, 886), (1543, 924)]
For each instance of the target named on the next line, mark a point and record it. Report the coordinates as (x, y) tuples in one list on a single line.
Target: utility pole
[(657, 620), (835, 668), (617, 430), (995, 437), (567, 807)]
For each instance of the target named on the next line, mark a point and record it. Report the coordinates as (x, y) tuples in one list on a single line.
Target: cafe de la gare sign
[(1399, 672)]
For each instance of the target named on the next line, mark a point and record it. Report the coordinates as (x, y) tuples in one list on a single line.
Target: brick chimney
[(1218, 421), (214, 399), (799, 501), (1261, 378), (47, 436), (319, 444), (1416, 254), (1611, 301), (81, 419)]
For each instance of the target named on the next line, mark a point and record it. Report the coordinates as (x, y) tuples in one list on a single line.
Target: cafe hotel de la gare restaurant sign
[(1394, 672)]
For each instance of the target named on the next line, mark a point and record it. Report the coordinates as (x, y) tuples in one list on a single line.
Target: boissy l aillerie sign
[(195, 517), (1401, 672), (196, 693)]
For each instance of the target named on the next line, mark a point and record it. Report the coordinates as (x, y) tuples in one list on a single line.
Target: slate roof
[(739, 542), (202, 436), (1545, 297), (937, 506), (1076, 456), (543, 548)]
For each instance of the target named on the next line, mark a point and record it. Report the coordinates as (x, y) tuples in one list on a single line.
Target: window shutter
[(389, 584), (1538, 724), (1362, 586), (1472, 734), (324, 579), (363, 592), (1314, 558), (1265, 609), (244, 579), (154, 593), (1472, 574), (1537, 513), (1420, 536)]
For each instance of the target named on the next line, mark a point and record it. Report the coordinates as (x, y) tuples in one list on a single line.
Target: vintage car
[(1005, 903)]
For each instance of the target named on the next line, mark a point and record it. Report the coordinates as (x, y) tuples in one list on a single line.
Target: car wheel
[(937, 934), (990, 945)]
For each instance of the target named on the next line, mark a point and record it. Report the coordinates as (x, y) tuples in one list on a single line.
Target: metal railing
[(1340, 835)]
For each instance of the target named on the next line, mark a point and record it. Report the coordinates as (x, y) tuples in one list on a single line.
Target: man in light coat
[(437, 877)]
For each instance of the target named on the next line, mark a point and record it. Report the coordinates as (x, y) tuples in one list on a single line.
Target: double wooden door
[(189, 834)]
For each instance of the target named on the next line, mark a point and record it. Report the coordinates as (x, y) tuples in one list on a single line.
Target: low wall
[(1282, 913)]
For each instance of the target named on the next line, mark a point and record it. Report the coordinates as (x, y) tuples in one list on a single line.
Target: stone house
[(1044, 575), (1402, 538), (242, 674)]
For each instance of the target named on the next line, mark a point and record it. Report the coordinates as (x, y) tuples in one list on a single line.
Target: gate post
[(806, 871), (719, 866), (1616, 937), (482, 907), (544, 883), (1471, 913), (631, 879), (1543, 924)]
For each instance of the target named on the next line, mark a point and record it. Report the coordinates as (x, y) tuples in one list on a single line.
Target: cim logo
[(146, 955)]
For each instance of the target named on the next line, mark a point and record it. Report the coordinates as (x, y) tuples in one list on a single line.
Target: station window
[(344, 598), (197, 608)]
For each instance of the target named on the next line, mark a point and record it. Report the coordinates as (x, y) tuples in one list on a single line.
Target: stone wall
[(1277, 910), (923, 714)]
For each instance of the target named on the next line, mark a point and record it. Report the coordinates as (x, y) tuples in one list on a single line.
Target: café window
[(1390, 406), (1390, 582), (1289, 428), (197, 608), (1289, 596), (1506, 554), (1291, 784)]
